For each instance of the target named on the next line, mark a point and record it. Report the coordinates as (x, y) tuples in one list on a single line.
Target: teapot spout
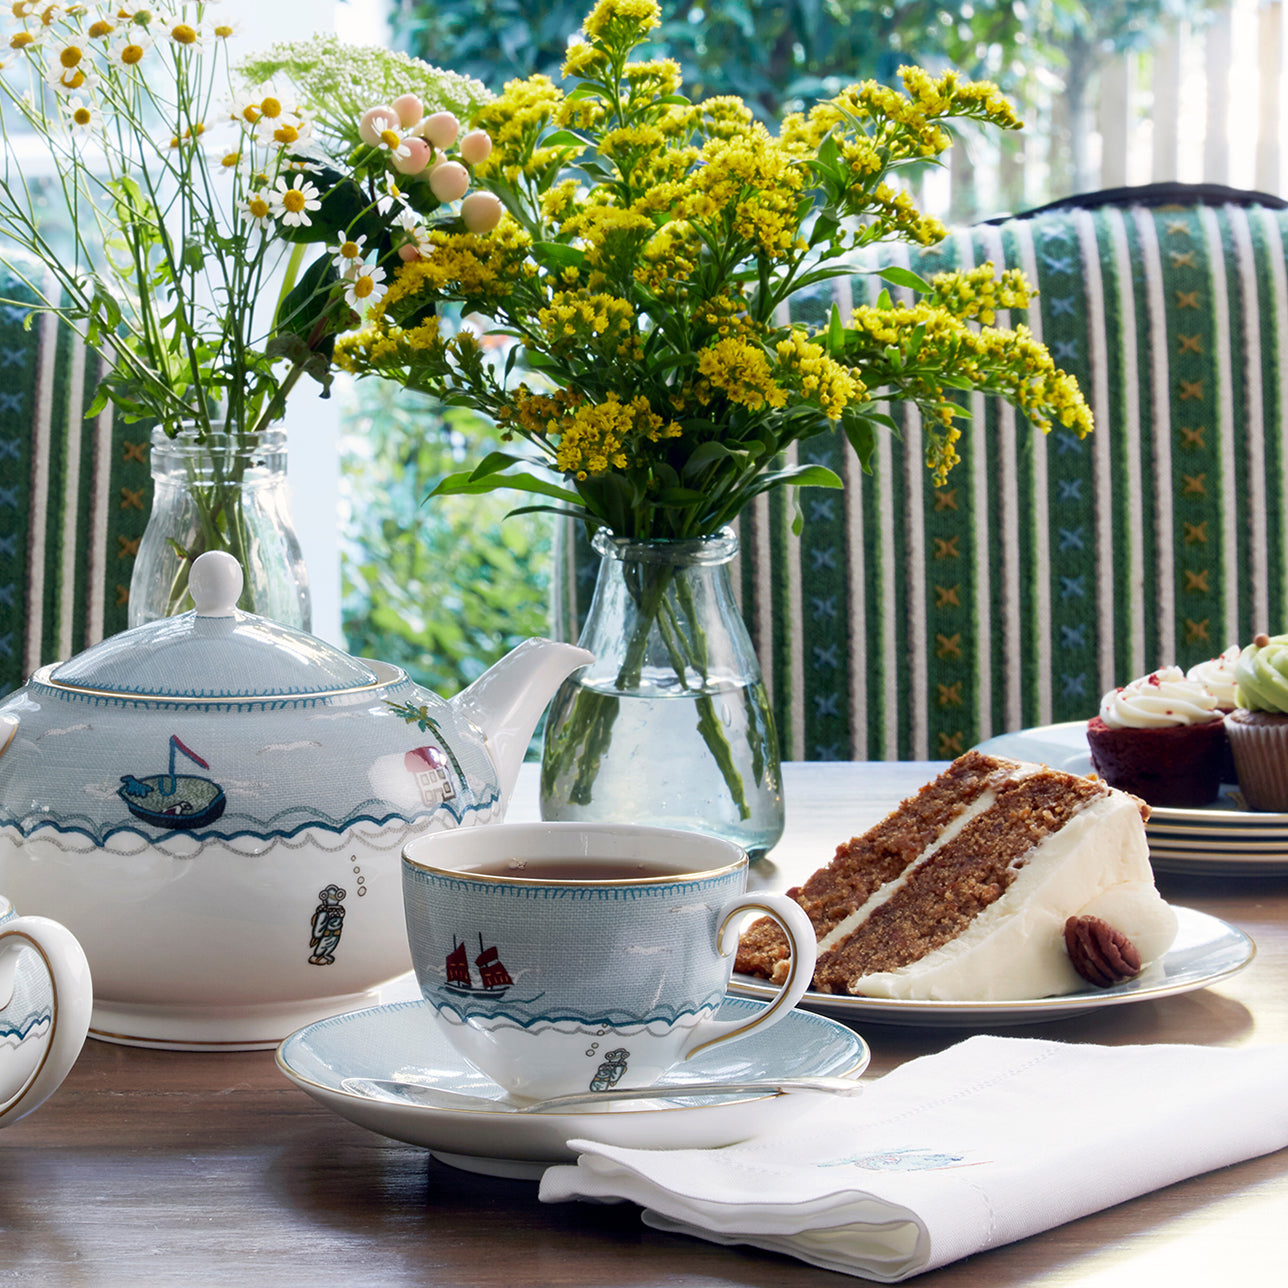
[(507, 700)]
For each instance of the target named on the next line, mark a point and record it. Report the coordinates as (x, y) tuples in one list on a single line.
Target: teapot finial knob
[(215, 583)]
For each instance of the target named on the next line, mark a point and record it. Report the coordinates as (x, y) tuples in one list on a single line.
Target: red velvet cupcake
[(1161, 738)]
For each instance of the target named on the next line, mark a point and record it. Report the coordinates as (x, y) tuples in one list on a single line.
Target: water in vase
[(665, 755)]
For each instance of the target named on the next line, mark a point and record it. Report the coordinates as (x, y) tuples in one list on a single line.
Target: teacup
[(566, 957), (45, 1002)]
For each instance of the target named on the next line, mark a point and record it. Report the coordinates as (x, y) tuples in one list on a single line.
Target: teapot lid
[(213, 651)]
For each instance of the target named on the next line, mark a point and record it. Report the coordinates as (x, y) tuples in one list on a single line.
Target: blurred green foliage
[(442, 588), (783, 56)]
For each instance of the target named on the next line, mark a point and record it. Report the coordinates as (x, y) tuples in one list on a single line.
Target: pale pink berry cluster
[(420, 144)]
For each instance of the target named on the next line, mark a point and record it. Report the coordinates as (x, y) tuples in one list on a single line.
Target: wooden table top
[(154, 1167)]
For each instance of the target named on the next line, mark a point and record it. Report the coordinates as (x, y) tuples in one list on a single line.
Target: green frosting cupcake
[(1261, 675)]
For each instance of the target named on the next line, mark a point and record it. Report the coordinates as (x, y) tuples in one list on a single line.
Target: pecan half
[(1099, 953)]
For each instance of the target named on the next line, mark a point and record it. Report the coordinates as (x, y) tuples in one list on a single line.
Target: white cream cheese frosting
[(1217, 675), (1164, 697)]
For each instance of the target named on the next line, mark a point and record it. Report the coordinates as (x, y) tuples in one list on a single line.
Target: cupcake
[(1217, 675), (1258, 727), (1160, 738)]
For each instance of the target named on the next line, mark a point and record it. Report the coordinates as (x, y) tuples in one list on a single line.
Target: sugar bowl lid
[(214, 652)]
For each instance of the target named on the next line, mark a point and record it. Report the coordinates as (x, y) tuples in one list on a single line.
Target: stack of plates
[(1223, 838)]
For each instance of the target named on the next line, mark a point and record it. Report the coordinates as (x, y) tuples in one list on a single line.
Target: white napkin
[(989, 1141)]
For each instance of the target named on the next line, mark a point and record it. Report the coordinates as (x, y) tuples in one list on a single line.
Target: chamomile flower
[(257, 209), (82, 117), (347, 255), (284, 130), (392, 198), (293, 202), (28, 40), (185, 35), (245, 108), (100, 29), (130, 49), (365, 287), (69, 54), (270, 104), (69, 69)]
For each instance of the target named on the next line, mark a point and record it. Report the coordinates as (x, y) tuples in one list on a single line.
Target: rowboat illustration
[(174, 800)]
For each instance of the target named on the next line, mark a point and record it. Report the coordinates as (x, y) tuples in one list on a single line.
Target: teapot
[(215, 806)]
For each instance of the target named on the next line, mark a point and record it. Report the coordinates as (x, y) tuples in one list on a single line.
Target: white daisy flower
[(365, 287), (285, 130), (130, 49), (68, 79), (347, 255), (257, 209), (185, 35), (392, 198), (82, 117), (244, 108), (293, 201)]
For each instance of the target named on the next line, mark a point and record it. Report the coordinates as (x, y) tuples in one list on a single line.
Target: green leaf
[(680, 497), (309, 311), (469, 485), (904, 277), (558, 254), (859, 432)]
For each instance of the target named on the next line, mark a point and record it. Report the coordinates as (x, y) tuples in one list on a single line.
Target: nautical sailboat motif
[(174, 800), (494, 979)]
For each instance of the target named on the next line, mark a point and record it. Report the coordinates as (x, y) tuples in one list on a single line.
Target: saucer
[(401, 1040)]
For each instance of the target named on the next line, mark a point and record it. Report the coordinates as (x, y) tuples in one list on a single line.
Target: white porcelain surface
[(1223, 838), (1206, 950), (45, 998), (215, 805), (399, 1040), (552, 987)]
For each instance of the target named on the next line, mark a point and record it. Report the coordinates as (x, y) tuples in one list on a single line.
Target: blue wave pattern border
[(285, 825), (624, 1023), (14, 1035)]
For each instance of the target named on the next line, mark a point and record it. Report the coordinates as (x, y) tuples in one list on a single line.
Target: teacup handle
[(803, 944), (71, 1001)]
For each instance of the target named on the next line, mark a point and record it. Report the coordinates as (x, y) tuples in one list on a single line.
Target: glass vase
[(227, 492), (671, 724)]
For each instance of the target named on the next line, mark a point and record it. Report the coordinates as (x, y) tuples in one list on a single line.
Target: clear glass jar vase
[(227, 492), (671, 725)]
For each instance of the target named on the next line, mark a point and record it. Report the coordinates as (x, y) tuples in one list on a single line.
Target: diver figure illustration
[(328, 925), (611, 1069)]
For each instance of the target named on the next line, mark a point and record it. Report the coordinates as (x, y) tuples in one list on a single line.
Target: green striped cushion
[(911, 622), (74, 495)]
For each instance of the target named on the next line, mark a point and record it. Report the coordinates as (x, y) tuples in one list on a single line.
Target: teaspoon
[(436, 1097)]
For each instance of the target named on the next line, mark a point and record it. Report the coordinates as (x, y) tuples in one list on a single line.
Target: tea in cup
[(45, 1002), (566, 957)]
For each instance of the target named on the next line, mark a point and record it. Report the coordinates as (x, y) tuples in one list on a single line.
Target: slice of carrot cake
[(997, 881)]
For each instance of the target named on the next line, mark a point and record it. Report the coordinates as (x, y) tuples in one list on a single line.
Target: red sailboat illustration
[(494, 979)]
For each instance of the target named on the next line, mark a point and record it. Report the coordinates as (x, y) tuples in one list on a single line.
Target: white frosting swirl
[(1164, 697), (1217, 676)]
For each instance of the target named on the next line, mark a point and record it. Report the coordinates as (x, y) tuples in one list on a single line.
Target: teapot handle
[(71, 997)]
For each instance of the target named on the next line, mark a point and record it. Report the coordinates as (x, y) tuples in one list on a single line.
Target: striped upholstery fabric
[(74, 495), (911, 622)]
